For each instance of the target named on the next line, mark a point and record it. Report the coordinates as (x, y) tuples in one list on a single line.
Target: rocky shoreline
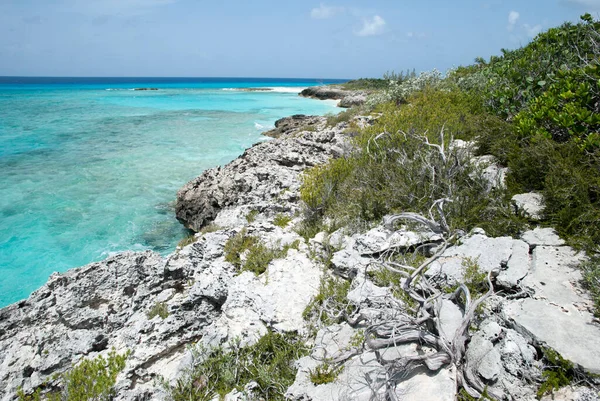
[(88, 311)]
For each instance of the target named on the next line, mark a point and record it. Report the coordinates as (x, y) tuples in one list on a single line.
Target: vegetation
[(251, 216), (159, 309), (189, 239), (591, 280), (537, 109), (257, 254), (269, 363), (282, 220), (325, 373), (365, 84), (91, 379), (558, 373), (330, 304)]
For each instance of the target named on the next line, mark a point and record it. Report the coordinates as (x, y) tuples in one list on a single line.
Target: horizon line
[(183, 77)]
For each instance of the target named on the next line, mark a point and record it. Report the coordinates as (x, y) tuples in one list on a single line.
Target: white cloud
[(513, 17), (371, 26), (532, 31), (323, 11), (591, 5)]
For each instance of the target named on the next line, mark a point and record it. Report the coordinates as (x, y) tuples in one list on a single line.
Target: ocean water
[(89, 167)]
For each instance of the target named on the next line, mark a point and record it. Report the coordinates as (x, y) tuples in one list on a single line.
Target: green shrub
[(518, 76), (237, 245), (319, 184), (282, 220), (429, 110), (591, 280), (325, 373), (259, 255), (366, 84), (474, 278), (329, 305), (91, 379), (190, 239), (395, 170), (251, 216), (159, 309), (558, 373), (269, 363), (568, 111)]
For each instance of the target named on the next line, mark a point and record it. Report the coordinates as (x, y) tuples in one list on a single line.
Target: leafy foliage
[(269, 363), (568, 111), (558, 373), (591, 280), (519, 76), (257, 254), (330, 303), (325, 373), (159, 309), (90, 380), (282, 220), (396, 168)]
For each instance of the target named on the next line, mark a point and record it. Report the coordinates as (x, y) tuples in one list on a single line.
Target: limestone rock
[(559, 313), (542, 236), (352, 100), (260, 178), (531, 204)]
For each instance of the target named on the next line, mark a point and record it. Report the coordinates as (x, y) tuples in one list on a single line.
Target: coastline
[(162, 310), (83, 295), (94, 207)]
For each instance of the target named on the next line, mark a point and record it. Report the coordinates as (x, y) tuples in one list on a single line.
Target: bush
[(269, 363), (282, 220), (325, 373), (558, 373), (91, 379), (330, 303), (159, 309), (396, 170), (237, 245), (568, 111), (591, 280), (258, 254), (519, 76)]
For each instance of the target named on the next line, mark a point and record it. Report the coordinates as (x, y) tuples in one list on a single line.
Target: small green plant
[(211, 228), (329, 305), (258, 254), (325, 373), (91, 379), (269, 363), (558, 373), (357, 339), (473, 277), (282, 220), (237, 245), (591, 280), (251, 216), (158, 309), (190, 239), (464, 396)]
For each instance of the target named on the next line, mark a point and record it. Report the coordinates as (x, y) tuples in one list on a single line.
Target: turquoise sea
[(90, 167)]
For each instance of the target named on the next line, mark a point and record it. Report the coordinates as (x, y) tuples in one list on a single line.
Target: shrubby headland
[(438, 240)]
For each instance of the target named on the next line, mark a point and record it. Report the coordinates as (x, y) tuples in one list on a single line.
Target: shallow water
[(92, 168)]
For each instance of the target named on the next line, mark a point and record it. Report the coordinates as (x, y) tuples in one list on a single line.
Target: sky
[(265, 38)]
